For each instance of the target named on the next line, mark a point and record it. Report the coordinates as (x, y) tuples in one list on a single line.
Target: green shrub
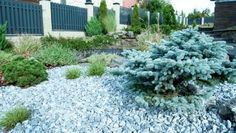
[(73, 73), (4, 44), (55, 55), (96, 69), (5, 58), (95, 42), (194, 24), (181, 66), (166, 29), (11, 118), (103, 58), (26, 46), (135, 22), (93, 27), (101, 41), (24, 72), (110, 22), (102, 13)]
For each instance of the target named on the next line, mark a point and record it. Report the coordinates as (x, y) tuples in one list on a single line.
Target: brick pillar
[(116, 8), (89, 6), (47, 21)]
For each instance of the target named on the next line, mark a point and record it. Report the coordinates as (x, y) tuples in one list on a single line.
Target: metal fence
[(95, 11), (68, 18), (154, 17), (143, 15), (21, 18), (209, 20), (197, 21), (125, 15)]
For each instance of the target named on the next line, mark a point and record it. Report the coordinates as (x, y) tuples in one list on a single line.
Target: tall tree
[(154, 5), (195, 14), (206, 12)]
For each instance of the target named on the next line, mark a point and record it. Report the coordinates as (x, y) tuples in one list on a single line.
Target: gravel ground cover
[(102, 104)]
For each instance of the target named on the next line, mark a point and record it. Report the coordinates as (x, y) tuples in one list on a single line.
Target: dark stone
[(227, 110)]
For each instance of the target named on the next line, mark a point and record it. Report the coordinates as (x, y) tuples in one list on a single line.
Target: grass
[(73, 73), (26, 46), (55, 55), (104, 58), (17, 115), (96, 69)]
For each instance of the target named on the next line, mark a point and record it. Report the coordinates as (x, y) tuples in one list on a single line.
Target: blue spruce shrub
[(180, 66)]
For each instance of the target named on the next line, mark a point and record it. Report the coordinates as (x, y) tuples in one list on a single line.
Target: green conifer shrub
[(169, 19), (179, 66), (102, 14), (5, 58), (135, 22), (93, 27), (11, 118), (4, 44), (24, 72)]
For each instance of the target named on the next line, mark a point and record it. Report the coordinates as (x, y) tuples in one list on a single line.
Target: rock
[(130, 34), (214, 128), (116, 62), (227, 110), (229, 124)]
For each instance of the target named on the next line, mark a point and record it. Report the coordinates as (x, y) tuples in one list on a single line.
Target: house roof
[(129, 3)]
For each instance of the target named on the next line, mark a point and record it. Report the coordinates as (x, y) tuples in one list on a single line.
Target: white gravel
[(98, 104)]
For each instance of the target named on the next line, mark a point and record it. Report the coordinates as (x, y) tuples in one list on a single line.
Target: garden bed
[(102, 104)]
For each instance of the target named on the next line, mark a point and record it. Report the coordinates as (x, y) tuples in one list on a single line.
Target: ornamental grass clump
[(181, 66), (11, 118), (96, 69), (55, 55), (24, 72), (26, 46), (73, 73)]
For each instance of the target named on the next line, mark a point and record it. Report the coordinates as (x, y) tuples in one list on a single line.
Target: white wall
[(81, 3)]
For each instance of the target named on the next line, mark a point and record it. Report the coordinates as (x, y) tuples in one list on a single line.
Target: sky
[(188, 5)]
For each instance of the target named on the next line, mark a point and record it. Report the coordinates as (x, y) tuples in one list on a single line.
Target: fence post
[(89, 6), (148, 17), (47, 21), (186, 21), (202, 21), (116, 8)]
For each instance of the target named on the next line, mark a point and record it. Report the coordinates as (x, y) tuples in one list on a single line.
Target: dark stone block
[(225, 15)]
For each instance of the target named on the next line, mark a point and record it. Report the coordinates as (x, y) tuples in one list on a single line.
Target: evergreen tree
[(169, 15), (135, 22), (102, 13), (180, 64)]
